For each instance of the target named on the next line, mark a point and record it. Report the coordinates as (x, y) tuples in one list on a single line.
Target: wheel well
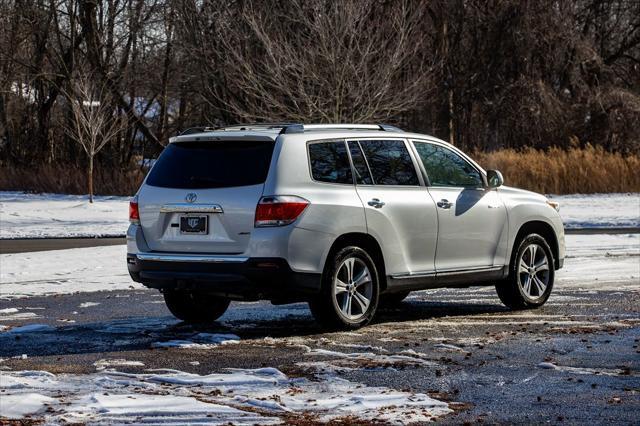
[(543, 229), (366, 242)]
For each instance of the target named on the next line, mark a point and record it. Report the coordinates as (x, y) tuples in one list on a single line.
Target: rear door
[(472, 220), (399, 212), (201, 196)]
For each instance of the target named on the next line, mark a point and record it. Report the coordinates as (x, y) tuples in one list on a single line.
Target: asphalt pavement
[(576, 360)]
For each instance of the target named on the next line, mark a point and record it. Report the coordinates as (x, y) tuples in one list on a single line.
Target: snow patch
[(20, 316), (18, 406), (448, 347), (199, 341), (8, 311), (594, 210), (109, 363), (57, 215), (88, 304), (64, 272), (583, 370), (240, 396), (368, 360)]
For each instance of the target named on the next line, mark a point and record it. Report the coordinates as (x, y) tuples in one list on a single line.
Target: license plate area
[(194, 225)]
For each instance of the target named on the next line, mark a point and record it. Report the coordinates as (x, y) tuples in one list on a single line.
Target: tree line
[(482, 74)]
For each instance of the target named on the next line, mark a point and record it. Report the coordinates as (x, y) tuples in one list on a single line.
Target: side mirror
[(494, 178)]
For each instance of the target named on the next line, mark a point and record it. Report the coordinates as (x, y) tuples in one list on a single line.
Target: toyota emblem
[(191, 197)]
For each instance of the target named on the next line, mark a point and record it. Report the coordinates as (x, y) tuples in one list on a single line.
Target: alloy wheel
[(533, 271), (353, 288)]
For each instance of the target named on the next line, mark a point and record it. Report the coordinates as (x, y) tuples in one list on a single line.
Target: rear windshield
[(218, 164)]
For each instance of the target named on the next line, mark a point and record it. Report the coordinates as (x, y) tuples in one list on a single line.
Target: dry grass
[(555, 171), (558, 171)]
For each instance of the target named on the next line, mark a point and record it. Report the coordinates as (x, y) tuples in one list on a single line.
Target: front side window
[(330, 162), (390, 162), (446, 168)]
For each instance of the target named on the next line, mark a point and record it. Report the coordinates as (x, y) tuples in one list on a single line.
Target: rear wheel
[(191, 307), (531, 275), (350, 287)]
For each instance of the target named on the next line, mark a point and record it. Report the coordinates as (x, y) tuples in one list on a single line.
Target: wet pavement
[(575, 360)]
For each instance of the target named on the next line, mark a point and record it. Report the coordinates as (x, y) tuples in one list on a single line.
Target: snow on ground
[(64, 271), (600, 261), (58, 215), (592, 261), (599, 210), (240, 396), (199, 341)]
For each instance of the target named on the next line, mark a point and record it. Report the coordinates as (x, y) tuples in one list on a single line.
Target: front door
[(472, 220)]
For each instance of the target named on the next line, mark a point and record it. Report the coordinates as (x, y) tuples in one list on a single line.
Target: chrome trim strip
[(470, 270), (191, 208), (413, 275), (446, 272), (196, 258)]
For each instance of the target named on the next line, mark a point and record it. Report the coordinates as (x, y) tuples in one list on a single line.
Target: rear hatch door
[(201, 196)]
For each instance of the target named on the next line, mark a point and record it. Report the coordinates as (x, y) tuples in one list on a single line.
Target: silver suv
[(344, 217)]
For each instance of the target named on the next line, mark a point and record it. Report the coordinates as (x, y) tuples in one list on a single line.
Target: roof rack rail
[(287, 128), (247, 126), (300, 128), (242, 126)]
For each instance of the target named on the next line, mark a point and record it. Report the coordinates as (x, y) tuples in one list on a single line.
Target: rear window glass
[(330, 162), (216, 164), (390, 162)]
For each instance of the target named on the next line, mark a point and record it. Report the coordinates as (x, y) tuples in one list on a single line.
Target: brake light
[(134, 213), (279, 210)]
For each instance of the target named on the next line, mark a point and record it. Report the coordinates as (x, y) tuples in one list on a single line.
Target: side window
[(390, 162), (446, 168), (363, 176), (330, 162)]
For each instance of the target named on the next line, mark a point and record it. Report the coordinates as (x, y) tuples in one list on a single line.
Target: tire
[(341, 303), (393, 299), (522, 290), (195, 308)]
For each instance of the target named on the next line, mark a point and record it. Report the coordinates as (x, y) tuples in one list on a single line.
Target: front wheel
[(195, 308), (531, 275), (350, 288)]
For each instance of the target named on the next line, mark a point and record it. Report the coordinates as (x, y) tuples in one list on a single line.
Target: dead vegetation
[(553, 171), (558, 171)]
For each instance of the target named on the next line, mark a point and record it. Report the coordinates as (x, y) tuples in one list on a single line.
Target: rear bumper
[(237, 278)]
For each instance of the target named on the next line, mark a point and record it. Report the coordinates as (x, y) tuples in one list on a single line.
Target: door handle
[(444, 204), (375, 202)]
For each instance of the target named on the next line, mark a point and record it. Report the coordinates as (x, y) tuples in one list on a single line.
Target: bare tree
[(353, 60), (94, 120)]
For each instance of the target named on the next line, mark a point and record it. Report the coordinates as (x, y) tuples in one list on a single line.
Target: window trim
[(353, 167), (465, 157), (407, 145), (333, 140)]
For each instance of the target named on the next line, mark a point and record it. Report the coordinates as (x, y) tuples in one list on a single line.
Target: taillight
[(134, 214), (279, 210)]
